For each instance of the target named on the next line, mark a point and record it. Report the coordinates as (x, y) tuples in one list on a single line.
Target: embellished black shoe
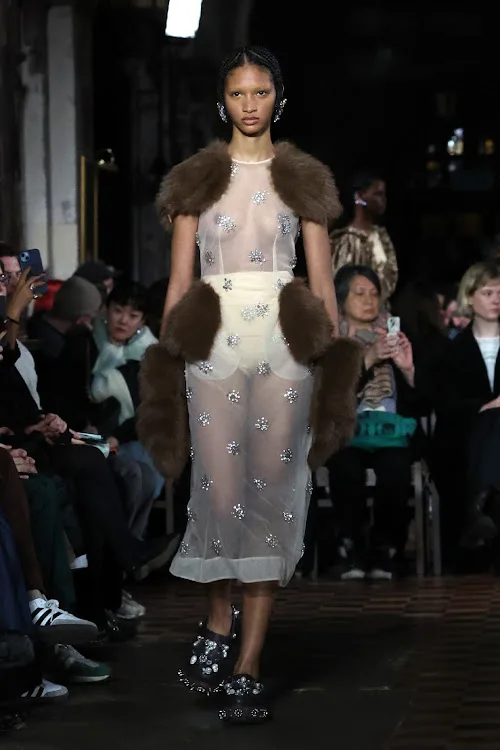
[(243, 701), (208, 664)]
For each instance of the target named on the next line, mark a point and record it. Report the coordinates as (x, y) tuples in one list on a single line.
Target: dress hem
[(200, 570)]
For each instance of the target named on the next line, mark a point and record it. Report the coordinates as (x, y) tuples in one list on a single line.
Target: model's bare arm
[(181, 262), (319, 271)]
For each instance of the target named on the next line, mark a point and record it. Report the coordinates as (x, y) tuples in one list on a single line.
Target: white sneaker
[(46, 690), (130, 609), (80, 563), (379, 574), (54, 625), (353, 574)]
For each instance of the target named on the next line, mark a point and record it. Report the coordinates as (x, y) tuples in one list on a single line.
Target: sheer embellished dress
[(249, 404)]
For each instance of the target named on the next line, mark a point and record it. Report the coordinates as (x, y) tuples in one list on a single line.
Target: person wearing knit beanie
[(77, 299)]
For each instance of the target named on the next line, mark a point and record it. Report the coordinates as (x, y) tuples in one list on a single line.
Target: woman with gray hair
[(382, 442)]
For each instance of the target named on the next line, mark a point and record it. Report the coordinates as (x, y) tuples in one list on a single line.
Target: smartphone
[(3, 310), (393, 326), (90, 437), (33, 260)]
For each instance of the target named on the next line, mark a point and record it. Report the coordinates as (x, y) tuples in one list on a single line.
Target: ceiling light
[(183, 18)]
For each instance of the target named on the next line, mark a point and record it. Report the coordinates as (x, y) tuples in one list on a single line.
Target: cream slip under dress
[(249, 403)]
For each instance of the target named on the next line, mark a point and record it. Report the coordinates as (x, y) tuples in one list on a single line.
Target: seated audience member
[(51, 625), (109, 545), (64, 365), (385, 390), (467, 434), (98, 273), (66, 352), (121, 340), (20, 672)]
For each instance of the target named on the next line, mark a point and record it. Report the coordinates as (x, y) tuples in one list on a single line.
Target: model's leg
[(258, 601), (275, 509), (220, 612), (210, 550)]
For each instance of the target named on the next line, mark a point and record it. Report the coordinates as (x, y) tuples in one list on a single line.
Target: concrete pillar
[(63, 141), (35, 197)]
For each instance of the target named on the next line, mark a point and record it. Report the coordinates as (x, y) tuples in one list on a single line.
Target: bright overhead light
[(183, 18)]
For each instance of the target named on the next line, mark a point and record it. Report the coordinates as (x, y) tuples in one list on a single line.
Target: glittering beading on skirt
[(249, 407)]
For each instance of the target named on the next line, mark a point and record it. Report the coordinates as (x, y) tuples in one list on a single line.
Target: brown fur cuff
[(334, 404), (162, 417), (193, 323), (304, 322)]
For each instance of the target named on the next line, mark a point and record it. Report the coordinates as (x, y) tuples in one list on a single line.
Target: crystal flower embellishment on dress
[(225, 222), (257, 256), (238, 511), (262, 424), (205, 367), (234, 449), (216, 546), (250, 312), (233, 340), (206, 482), (284, 223), (259, 197), (272, 540), (263, 368)]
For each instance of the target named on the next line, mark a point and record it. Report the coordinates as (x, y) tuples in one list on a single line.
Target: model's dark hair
[(363, 179), (252, 55), (344, 277), (129, 293)]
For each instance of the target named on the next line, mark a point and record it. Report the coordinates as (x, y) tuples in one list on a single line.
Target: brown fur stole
[(162, 422), (302, 182)]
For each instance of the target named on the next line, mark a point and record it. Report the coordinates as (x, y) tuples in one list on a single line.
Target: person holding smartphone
[(385, 398)]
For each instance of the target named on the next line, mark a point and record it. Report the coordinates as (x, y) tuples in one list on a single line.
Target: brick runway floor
[(407, 665)]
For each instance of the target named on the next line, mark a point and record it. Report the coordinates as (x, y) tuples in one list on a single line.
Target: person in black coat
[(467, 404)]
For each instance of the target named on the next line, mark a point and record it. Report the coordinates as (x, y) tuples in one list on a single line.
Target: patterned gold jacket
[(356, 246)]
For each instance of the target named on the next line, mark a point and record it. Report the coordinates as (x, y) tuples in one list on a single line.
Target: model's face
[(249, 98), (486, 301), (376, 198), (363, 301), (123, 322)]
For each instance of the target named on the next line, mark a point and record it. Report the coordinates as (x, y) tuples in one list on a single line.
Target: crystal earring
[(222, 112), (279, 109), (359, 202)]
